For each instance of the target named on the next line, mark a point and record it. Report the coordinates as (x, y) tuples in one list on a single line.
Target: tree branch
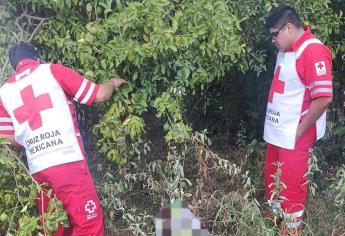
[(21, 30), (2, 71), (36, 30), (30, 17), (19, 161), (12, 218)]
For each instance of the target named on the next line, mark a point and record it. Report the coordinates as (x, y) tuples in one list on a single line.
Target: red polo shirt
[(314, 67)]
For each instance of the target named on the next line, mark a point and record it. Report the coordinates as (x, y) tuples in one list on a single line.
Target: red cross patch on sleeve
[(320, 68)]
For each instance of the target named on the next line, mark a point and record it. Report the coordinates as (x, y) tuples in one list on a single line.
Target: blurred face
[(281, 37)]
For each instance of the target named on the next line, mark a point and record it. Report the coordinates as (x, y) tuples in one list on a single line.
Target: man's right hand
[(105, 90), (117, 82)]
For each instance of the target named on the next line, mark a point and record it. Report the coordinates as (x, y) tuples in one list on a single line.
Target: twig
[(17, 203), (26, 15), (30, 17), (21, 30), (168, 12), (12, 218), (22, 15), (3, 68), (26, 169), (36, 30)]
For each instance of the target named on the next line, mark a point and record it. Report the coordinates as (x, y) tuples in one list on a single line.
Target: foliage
[(18, 190), (339, 186)]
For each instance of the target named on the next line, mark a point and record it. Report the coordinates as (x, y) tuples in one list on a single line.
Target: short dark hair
[(20, 51), (282, 15)]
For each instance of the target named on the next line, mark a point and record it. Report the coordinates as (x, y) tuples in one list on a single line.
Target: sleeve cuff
[(322, 95), (93, 95)]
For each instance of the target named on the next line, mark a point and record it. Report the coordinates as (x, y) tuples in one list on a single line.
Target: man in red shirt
[(37, 113), (301, 91)]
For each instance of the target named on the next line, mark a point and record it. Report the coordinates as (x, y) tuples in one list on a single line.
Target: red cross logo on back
[(277, 85), (32, 107)]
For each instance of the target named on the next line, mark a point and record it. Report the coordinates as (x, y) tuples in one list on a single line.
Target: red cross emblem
[(31, 108), (90, 206), (277, 85), (320, 68)]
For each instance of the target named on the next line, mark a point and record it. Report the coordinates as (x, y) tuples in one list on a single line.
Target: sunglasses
[(274, 35)]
